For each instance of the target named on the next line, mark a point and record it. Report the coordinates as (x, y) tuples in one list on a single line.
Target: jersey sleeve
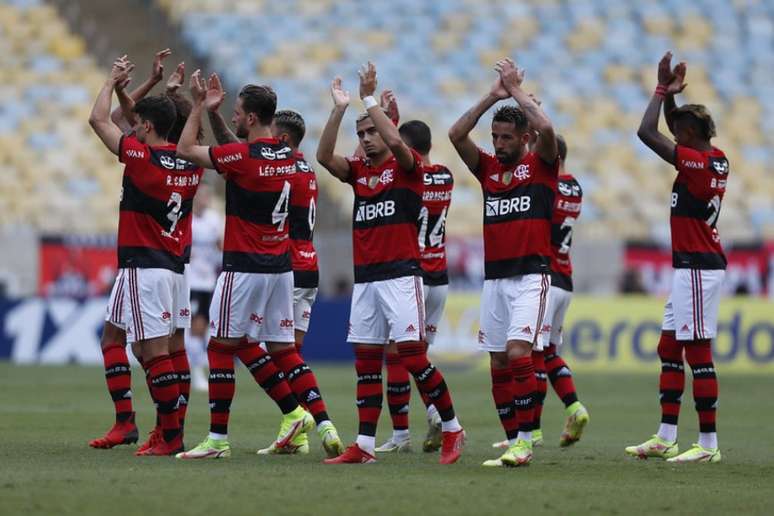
[(131, 150), (486, 164), (229, 159), (688, 163), (355, 168)]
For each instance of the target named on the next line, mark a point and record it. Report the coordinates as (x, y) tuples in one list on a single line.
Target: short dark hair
[(292, 123), (362, 116), (183, 106), (512, 115), (259, 100), (158, 110), (561, 146), (417, 135), (699, 116)]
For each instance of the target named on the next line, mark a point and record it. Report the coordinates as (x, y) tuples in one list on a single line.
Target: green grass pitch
[(47, 415)]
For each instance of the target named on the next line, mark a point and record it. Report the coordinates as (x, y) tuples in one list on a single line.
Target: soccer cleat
[(298, 445), (577, 420), (452, 445), (505, 444), (493, 463), (293, 423), (393, 446), (208, 449), (518, 454), (164, 448), (537, 438), (352, 455), (434, 438), (122, 432), (697, 453), (330, 439), (153, 438), (654, 447)]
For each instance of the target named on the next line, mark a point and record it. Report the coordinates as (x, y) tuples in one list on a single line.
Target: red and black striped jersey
[(697, 194), (154, 225), (388, 200), (518, 205), (303, 212), (258, 183), (567, 208), (436, 199)]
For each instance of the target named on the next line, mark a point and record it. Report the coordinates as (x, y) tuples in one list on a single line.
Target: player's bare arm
[(512, 78), (157, 73), (215, 96), (382, 123), (665, 76), (389, 103), (459, 133), (648, 131), (188, 147), (123, 116), (334, 163), (99, 120)]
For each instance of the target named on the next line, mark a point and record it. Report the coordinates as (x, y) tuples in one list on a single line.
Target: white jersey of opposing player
[(207, 231)]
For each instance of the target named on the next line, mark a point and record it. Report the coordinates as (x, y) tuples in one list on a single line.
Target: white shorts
[(558, 303), (389, 310), (256, 305), (156, 302), (692, 308), (513, 309), (114, 313), (303, 299), (435, 301)]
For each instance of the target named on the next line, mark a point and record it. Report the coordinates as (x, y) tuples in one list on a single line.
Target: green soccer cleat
[(519, 454), (393, 446), (330, 439), (697, 454), (654, 447), (208, 449), (577, 419), (294, 423), (434, 437), (537, 438), (299, 445)]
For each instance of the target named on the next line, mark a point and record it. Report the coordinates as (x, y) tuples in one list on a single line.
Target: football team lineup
[(256, 304)]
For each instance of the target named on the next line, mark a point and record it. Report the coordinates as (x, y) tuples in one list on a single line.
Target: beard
[(241, 131)]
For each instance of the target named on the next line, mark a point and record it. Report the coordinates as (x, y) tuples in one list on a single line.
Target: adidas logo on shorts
[(411, 329), (526, 330)]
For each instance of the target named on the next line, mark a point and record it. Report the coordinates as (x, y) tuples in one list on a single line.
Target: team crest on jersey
[(522, 172)]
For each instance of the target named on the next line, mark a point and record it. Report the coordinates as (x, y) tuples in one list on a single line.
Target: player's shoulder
[(569, 185), (688, 159), (269, 149), (302, 165), (437, 174)]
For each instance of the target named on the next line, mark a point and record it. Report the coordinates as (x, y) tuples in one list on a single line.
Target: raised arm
[(512, 78), (459, 133), (119, 115), (187, 147), (215, 96), (336, 164), (648, 131), (99, 119), (665, 76), (389, 103)]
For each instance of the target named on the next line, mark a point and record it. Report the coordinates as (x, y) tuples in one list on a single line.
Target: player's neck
[(380, 159), (260, 131), (701, 145), (154, 140), (426, 159)]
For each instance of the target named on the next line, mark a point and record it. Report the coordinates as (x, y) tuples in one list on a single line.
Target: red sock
[(560, 375), (221, 385), (148, 383), (671, 382), (429, 379), (368, 367), (165, 392), (302, 381), (525, 385), (271, 379), (503, 393), (698, 353), (118, 375), (398, 391), (541, 379), (183, 370)]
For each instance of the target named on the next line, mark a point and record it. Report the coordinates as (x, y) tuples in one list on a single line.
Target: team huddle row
[(263, 298)]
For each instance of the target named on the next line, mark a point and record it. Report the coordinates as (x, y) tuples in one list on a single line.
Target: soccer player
[(387, 302), (519, 188), (691, 312), (289, 127), (566, 211), (254, 293), (154, 237), (436, 199)]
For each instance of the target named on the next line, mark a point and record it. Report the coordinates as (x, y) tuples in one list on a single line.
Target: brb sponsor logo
[(369, 212), (501, 207)]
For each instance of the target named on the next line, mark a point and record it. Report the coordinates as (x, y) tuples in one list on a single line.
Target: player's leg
[(541, 381), (398, 398), (197, 344), (179, 357), (435, 301)]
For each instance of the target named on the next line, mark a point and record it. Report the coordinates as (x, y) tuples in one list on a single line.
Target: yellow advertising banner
[(621, 333)]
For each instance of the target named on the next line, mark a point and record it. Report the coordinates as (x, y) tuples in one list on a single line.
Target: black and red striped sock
[(302, 381), (266, 374), (671, 382), (398, 391), (503, 393), (221, 385), (368, 367), (118, 375), (183, 370), (525, 385), (429, 379), (541, 381), (165, 392), (698, 353), (560, 375)]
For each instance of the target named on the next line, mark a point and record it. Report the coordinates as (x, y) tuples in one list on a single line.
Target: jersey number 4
[(280, 213)]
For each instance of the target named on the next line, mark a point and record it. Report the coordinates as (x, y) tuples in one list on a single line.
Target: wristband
[(660, 91), (369, 102)]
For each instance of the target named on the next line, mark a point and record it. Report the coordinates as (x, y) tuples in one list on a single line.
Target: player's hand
[(119, 72), (677, 84), (214, 96), (157, 71), (389, 102), (197, 87), (339, 95), (498, 90), (535, 99), (367, 76), (510, 75), (665, 74), (176, 80)]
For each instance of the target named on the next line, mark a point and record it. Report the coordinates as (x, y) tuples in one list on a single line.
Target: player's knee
[(112, 335), (518, 349), (499, 360)]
